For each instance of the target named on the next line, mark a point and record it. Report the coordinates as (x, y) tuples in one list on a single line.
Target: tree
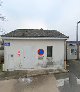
[(2, 18)]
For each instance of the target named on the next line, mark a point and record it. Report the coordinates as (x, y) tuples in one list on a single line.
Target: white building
[(72, 50), (33, 49)]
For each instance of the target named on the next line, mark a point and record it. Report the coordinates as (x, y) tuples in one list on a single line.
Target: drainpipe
[(65, 54)]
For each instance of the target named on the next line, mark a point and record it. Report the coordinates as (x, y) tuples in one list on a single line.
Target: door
[(27, 58), (11, 62)]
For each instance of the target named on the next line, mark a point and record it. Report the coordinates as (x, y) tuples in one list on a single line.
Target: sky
[(61, 15)]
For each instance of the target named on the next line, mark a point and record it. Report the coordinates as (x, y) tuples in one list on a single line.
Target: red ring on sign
[(40, 52)]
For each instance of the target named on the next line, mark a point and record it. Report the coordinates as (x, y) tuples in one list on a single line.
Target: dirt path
[(44, 83)]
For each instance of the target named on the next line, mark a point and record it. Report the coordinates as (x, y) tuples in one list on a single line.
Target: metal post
[(77, 33), (77, 41)]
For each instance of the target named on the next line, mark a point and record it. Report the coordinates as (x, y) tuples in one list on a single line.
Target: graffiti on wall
[(18, 53)]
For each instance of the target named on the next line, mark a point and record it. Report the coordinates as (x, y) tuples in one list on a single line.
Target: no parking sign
[(41, 52)]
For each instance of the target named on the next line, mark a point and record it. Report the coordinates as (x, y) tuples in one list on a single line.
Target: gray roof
[(73, 42), (34, 33)]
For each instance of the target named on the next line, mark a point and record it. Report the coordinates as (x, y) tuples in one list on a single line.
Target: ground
[(41, 83), (49, 82), (69, 82)]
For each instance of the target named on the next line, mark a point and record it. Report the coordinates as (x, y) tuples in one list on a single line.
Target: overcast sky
[(61, 15)]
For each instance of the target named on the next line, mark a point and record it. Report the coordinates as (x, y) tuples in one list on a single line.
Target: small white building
[(33, 49), (72, 50)]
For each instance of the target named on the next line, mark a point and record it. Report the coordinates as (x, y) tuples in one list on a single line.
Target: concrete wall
[(71, 56), (28, 58)]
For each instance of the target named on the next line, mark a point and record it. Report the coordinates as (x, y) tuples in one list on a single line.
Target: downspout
[(65, 52)]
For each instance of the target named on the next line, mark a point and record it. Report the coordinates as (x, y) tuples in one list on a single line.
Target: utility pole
[(77, 41)]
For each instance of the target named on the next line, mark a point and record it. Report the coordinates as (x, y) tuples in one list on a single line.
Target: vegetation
[(2, 18), (0, 67)]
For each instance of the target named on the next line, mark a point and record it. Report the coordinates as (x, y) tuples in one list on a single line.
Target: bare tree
[(2, 18)]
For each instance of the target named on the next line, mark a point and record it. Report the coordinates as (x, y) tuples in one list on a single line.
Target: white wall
[(71, 56), (22, 45)]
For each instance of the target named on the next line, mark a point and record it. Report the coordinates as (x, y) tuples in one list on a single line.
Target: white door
[(11, 62), (27, 62)]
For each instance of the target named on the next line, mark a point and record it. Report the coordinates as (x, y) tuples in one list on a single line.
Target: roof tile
[(35, 33)]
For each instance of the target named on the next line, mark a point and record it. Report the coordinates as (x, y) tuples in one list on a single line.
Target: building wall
[(28, 58), (71, 51)]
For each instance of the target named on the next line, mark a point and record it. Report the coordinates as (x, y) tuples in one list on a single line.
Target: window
[(73, 51), (49, 51)]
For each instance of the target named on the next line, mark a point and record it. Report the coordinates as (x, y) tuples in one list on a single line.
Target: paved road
[(73, 82), (74, 67), (44, 83)]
